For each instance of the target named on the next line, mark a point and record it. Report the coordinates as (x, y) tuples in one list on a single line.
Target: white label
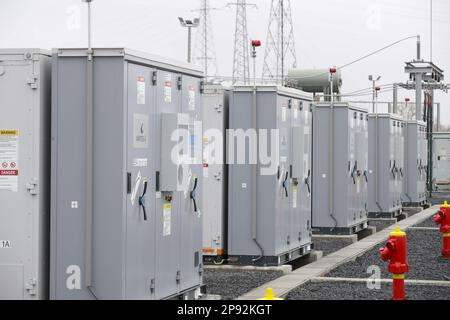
[(191, 98), (5, 244), (140, 162), (168, 89), (9, 160), (324, 175), (140, 90), (167, 212), (74, 204), (158, 194), (283, 114), (357, 186), (244, 186), (294, 197), (283, 159), (140, 130)]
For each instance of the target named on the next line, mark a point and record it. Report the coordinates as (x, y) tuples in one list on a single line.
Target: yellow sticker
[(9, 133)]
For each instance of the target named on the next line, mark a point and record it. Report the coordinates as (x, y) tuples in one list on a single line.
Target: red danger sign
[(168, 83), (9, 172), (141, 79)]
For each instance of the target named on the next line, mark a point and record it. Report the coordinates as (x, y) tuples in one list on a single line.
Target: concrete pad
[(370, 230), (286, 268), (424, 228), (381, 223), (350, 238)]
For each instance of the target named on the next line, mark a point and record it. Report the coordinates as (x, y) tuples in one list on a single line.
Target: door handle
[(307, 181), (284, 183), (142, 200), (192, 194)]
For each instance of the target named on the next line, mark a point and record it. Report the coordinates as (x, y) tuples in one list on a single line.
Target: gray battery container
[(340, 172), (386, 165), (125, 213), (269, 220), (24, 173)]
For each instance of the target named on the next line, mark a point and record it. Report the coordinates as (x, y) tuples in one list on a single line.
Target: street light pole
[(189, 24)]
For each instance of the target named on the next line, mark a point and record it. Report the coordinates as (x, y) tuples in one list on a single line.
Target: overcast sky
[(327, 32)]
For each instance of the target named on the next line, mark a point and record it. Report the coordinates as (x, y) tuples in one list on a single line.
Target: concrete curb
[(283, 285)]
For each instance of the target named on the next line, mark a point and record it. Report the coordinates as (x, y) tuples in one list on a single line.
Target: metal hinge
[(200, 269), (32, 81), (180, 83), (32, 187), (289, 103), (178, 276), (202, 87), (152, 285), (154, 77), (30, 286)]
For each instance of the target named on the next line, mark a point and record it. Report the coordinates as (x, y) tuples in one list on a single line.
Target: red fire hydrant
[(395, 250), (443, 218)]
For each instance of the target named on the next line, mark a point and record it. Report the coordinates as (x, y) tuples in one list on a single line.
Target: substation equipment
[(386, 165), (340, 168), (416, 163), (126, 207), (24, 173), (215, 173), (441, 160), (269, 204)]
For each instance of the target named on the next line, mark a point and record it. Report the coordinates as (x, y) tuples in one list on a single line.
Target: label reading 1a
[(5, 244)]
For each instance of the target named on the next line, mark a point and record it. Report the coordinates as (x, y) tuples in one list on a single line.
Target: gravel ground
[(359, 291), (231, 284), (329, 246), (424, 258), (429, 223)]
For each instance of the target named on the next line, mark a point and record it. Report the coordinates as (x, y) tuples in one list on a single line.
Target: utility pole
[(241, 67), (204, 43), (280, 50)]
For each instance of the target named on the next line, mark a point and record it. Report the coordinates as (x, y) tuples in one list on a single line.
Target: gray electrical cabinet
[(24, 173), (126, 176), (416, 162), (340, 168), (215, 123), (269, 198), (386, 166), (441, 160)]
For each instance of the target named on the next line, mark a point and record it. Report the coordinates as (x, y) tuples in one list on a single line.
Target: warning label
[(167, 212), (168, 89), (9, 160), (140, 88)]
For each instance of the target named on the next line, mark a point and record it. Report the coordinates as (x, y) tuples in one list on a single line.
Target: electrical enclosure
[(386, 168), (143, 237), (340, 169), (24, 173), (269, 200), (441, 159), (416, 162), (215, 123)]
